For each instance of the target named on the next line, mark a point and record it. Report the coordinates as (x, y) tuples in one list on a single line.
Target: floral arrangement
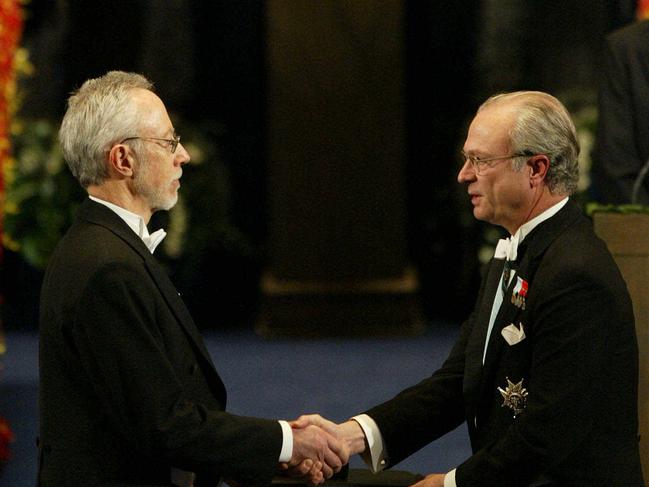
[(11, 60), (11, 24)]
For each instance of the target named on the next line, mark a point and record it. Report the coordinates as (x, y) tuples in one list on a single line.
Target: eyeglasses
[(479, 163), (172, 143)]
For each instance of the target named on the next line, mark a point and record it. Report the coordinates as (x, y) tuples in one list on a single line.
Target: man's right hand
[(350, 432)]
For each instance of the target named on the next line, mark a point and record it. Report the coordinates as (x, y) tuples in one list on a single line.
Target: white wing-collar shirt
[(135, 223)]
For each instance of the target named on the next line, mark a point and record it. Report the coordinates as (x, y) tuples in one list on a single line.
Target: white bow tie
[(154, 239), (507, 248)]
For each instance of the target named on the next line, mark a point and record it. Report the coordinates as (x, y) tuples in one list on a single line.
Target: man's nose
[(182, 156), (467, 173)]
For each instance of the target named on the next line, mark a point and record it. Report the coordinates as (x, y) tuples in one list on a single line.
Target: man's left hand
[(432, 480)]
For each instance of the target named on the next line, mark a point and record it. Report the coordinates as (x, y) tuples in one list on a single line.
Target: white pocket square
[(513, 334)]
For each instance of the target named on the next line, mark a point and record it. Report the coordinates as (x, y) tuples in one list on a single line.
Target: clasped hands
[(322, 447)]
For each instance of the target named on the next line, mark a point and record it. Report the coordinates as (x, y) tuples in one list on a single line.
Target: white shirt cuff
[(375, 455), (287, 443), (449, 479)]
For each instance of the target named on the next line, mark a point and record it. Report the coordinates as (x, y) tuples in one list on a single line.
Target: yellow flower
[(17, 127), (10, 243), (8, 171), (22, 62), (11, 208)]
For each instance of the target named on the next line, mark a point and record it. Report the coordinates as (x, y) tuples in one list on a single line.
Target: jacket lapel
[(99, 214), (507, 313), (475, 347), (174, 301), (180, 311), (530, 253)]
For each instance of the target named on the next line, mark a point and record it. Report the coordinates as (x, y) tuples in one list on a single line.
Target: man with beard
[(128, 391)]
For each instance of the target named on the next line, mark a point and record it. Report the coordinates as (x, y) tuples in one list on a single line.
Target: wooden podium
[(627, 237)]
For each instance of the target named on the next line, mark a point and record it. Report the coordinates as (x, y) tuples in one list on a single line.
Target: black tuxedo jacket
[(127, 387), (578, 364), (622, 143)]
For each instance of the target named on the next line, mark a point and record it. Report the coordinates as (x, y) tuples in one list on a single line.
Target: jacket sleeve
[(432, 408), (425, 411)]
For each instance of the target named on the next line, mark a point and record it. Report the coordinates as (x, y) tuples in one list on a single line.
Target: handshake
[(321, 448)]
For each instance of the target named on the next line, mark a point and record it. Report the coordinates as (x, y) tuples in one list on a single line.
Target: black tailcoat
[(127, 387), (578, 364)]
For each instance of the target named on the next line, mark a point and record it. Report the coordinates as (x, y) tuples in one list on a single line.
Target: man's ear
[(539, 165), (120, 160)]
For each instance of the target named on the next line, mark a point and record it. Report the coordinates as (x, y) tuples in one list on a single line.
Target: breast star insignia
[(514, 396)]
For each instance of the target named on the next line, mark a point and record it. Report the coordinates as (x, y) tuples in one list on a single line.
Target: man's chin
[(480, 215), (167, 205)]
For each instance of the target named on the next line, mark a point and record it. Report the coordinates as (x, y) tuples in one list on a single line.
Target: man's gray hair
[(544, 126), (99, 114)]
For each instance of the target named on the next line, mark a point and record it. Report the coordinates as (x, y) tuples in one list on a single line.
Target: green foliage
[(41, 194), (42, 197)]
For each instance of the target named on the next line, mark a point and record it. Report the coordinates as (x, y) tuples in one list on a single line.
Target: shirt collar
[(507, 248), (135, 223)]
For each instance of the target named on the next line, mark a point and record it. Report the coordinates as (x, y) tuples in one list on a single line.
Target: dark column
[(337, 244)]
